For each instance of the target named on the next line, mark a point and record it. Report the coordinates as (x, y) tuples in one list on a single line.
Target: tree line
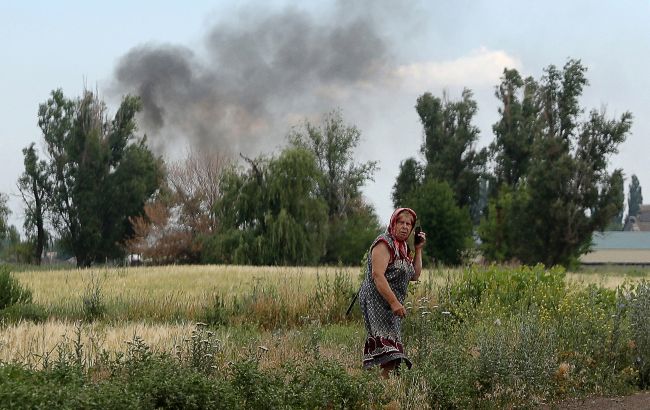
[(535, 194)]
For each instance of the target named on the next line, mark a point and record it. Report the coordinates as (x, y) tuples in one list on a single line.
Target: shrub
[(256, 388), (215, 313), (515, 359), (499, 290), (325, 384), (639, 308), (164, 383), (93, 300), (11, 291), (443, 374), (62, 385), (26, 311)]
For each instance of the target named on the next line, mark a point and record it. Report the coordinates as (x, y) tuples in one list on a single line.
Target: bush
[(324, 384), (516, 359), (27, 311), (215, 313), (443, 374), (163, 383), (93, 299), (639, 308), (498, 290), (11, 291), (22, 388)]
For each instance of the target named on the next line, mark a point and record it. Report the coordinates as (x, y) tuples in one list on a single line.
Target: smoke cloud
[(256, 76)]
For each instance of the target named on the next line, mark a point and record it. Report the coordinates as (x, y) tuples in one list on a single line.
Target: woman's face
[(403, 226)]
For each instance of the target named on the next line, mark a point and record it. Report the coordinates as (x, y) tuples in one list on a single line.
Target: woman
[(383, 291)]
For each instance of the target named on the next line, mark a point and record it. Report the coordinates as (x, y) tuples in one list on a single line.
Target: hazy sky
[(237, 76)]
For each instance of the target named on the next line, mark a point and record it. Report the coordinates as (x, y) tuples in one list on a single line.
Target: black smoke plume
[(256, 76)]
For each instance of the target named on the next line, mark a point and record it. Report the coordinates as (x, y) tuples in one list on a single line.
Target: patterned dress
[(383, 327)]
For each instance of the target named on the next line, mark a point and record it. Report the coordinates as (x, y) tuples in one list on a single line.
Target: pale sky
[(371, 59)]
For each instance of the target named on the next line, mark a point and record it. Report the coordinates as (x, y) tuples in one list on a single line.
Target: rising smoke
[(257, 75)]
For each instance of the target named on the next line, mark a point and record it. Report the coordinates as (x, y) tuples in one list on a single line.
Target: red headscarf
[(400, 245)]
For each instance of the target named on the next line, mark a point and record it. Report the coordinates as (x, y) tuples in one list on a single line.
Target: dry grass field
[(161, 305), (140, 302), (163, 285)]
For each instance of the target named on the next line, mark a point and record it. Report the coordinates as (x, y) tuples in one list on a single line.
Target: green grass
[(480, 337)]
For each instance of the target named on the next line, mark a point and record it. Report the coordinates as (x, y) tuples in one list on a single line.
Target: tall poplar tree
[(409, 178), (566, 192), (449, 145), (4, 215), (635, 197), (34, 189)]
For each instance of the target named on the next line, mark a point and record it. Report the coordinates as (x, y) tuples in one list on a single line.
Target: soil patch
[(637, 401)]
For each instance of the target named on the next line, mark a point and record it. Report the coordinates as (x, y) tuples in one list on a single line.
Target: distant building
[(619, 247), (639, 222)]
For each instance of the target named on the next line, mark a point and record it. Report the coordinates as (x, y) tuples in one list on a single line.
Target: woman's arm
[(380, 260)]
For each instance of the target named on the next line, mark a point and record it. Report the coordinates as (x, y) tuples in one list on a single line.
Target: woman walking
[(382, 294)]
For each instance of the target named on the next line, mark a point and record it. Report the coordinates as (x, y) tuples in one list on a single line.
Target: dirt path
[(638, 401)]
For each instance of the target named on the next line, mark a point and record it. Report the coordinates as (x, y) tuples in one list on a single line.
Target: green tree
[(501, 227), (4, 215), (567, 192), (14, 249), (448, 227), (515, 131), (410, 177), (616, 223), (33, 189), (349, 238), (99, 173), (271, 214), (333, 145), (449, 145), (635, 197)]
